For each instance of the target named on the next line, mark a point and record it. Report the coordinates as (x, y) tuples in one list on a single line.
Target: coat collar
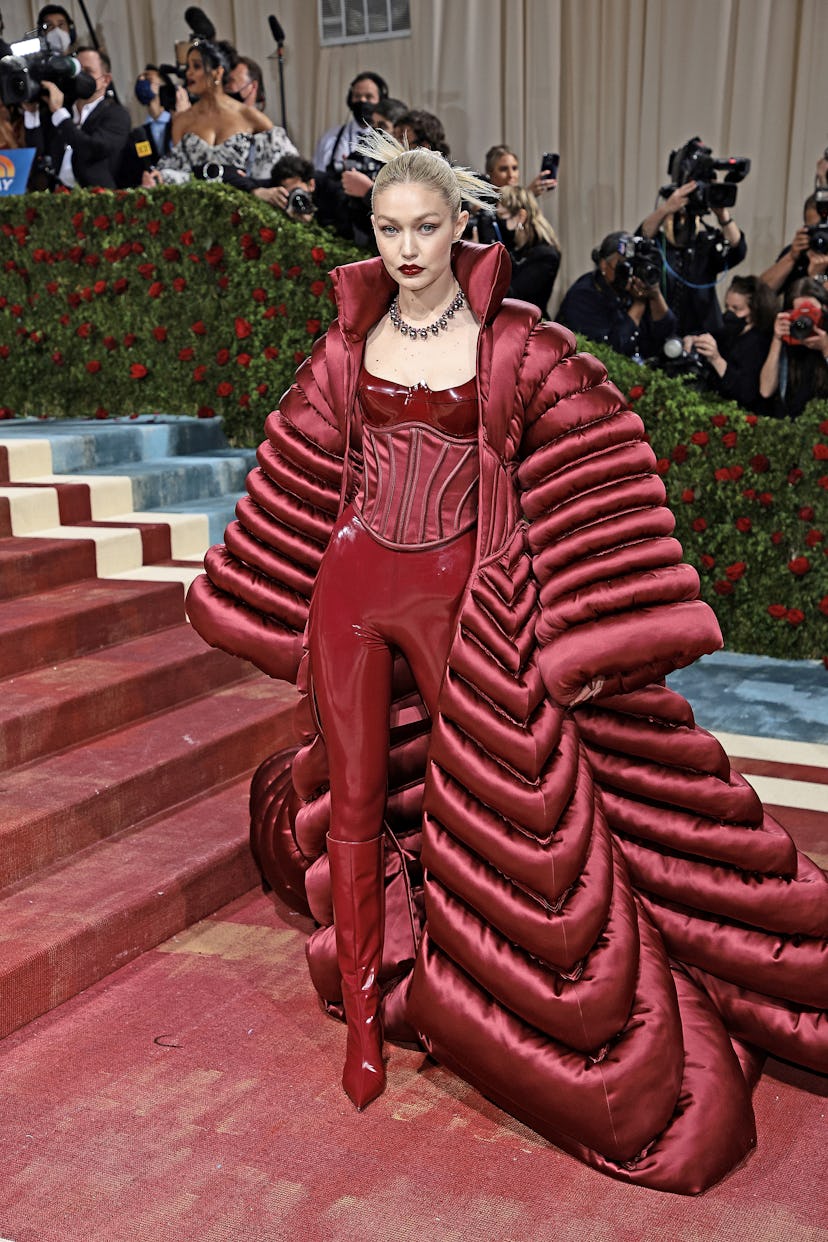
[(364, 289)]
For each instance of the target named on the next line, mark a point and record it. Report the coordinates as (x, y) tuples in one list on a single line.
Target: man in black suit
[(85, 143), (150, 141)]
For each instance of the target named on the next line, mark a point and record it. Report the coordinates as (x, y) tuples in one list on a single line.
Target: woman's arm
[(769, 375)]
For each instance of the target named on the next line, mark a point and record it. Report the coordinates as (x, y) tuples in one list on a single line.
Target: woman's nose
[(409, 244)]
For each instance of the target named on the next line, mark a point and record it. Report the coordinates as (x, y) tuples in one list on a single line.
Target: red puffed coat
[(589, 915)]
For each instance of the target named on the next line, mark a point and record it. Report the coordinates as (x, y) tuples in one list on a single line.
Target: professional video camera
[(32, 63), (695, 162), (818, 233)]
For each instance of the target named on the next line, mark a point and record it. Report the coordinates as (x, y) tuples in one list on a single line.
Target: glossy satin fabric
[(574, 859)]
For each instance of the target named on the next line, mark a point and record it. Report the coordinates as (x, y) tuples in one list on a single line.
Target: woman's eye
[(388, 230), (429, 228)]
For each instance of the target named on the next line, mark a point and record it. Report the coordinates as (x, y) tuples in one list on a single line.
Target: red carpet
[(195, 1095)]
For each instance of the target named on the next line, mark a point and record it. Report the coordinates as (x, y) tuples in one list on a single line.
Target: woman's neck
[(421, 307)]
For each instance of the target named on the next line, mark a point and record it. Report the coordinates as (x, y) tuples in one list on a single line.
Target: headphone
[(379, 82), (57, 8), (609, 246)]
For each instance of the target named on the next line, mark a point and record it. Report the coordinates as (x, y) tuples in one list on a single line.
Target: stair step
[(86, 917), (52, 708), (40, 629), (29, 565), (56, 806)]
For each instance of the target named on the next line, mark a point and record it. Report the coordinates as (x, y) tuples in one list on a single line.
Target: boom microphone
[(276, 29), (199, 23)]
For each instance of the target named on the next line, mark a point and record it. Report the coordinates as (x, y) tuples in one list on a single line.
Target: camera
[(640, 260), (356, 162), (808, 319), (818, 233), (677, 360), (695, 162), (299, 202), (31, 64)]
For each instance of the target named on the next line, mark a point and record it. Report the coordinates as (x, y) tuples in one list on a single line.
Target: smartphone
[(550, 163)]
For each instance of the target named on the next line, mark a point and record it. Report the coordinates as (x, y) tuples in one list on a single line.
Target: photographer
[(85, 145), (532, 245), (796, 368), (156, 91), (736, 353), (337, 143), (619, 301), (807, 255), (503, 168), (695, 254), (291, 188)]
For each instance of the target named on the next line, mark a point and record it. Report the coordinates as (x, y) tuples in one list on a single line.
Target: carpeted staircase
[(126, 745)]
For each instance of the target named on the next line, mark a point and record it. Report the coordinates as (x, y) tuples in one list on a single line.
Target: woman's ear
[(460, 225)]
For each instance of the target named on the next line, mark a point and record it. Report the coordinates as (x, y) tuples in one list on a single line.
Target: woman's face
[(506, 170), (200, 77), (739, 305), (415, 229)]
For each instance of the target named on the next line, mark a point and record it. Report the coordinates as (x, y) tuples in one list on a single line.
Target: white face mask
[(58, 41)]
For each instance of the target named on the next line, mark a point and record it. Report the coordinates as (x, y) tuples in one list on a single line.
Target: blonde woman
[(532, 244)]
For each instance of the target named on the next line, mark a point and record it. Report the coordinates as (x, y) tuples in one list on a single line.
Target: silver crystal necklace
[(441, 323)]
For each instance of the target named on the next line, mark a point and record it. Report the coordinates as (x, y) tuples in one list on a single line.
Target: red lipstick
[(410, 269)]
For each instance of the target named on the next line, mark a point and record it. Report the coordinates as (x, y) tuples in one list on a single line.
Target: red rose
[(821, 452), (662, 465), (707, 560), (275, 271), (777, 537), (318, 254), (777, 611), (187, 237), (129, 340), (722, 475), (179, 284), (156, 289), (688, 495), (52, 287), (244, 399), (722, 587), (199, 328), (270, 352), (84, 331), (823, 605), (822, 482), (101, 412), (806, 513), (729, 439), (172, 254), (186, 354), (299, 356), (86, 294), (146, 270), (243, 360), (120, 285), (215, 254), (93, 366), (4, 351), (259, 295), (167, 208), (261, 389), (700, 437), (223, 282), (224, 389), (160, 333), (137, 370), (823, 426), (699, 524), (313, 326), (735, 571), (679, 453), (294, 271), (101, 222), (243, 328), (270, 313), (799, 566), (743, 524), (267, 235), (794, 476), (736, 473), (794, 616), (318, 288), (223, 357), (199, 373), (110, 342), (760, 463), (72, 298), (57, 358), (100, 287), (206, 411), (718, 420), (751, 420), (635, 392), (765, 499), (813, 537), (153, 227)]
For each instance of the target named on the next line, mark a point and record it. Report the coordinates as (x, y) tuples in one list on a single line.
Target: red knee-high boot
[(357, 887)]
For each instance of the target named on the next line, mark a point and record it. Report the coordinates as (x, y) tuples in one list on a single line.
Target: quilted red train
[(609, 926)]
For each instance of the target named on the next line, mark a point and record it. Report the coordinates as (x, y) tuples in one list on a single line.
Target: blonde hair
[(514, 198), (457, 185)]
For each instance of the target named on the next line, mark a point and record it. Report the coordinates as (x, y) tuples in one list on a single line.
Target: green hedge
[(202, 300), (189, 299)]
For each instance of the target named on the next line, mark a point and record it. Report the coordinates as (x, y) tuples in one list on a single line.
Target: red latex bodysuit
[(397, 564)]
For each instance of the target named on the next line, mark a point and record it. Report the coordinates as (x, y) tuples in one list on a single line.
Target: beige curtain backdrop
[(613, 85)]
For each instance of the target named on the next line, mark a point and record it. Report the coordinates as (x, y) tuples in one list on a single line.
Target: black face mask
[(362, 110), (732, 327)]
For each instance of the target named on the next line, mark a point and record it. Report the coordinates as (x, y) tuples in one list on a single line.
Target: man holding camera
[(807, 255), (337, 143), (694, 255), (86, 144), (291, 188), (619, 302)]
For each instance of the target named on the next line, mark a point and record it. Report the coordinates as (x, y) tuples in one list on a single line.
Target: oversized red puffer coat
[(609, 923)]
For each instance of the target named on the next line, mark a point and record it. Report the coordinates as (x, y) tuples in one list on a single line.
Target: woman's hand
[(706, 347), (182, 100), (543, 183), (151, 178), (818, 340), (781, 325)]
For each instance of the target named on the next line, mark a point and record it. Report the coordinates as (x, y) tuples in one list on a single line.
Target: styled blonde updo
[(456, 185)]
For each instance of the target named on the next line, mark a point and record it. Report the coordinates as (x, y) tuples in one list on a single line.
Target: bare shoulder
[(258, 122)]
